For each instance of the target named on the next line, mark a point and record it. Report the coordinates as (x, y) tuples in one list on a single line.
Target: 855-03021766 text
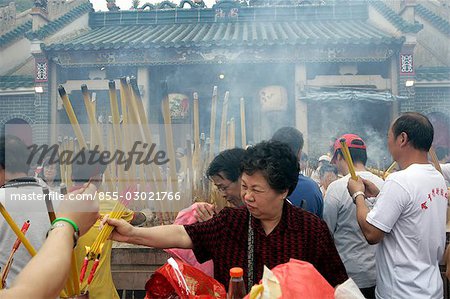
[(136, 195)]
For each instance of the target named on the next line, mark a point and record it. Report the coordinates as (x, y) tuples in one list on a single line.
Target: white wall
[(14, 54), (433, 47)]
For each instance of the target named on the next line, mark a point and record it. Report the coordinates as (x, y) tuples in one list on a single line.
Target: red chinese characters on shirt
[(434, 192)]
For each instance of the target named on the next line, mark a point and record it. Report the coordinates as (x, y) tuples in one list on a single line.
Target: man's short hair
[(327, 168), (358, 155), (418, 128), (14, 154), (228, 162), (291, 136)]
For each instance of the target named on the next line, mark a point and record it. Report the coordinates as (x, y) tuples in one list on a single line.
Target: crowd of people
[(389, 236)]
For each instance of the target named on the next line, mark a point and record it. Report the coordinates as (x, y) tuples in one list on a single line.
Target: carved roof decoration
[(394, 18), (438, 22), (60, 22), (15, 34)]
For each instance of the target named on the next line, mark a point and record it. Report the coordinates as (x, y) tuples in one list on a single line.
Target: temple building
[(323, 66)]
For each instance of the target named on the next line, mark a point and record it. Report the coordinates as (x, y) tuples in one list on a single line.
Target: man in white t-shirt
[(340, 215), (409, 217)]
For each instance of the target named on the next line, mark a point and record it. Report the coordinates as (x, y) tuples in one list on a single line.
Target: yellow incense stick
[(243, 131), (389, 169), (71, 114), (212, 130), (348, 159), (435, 159), (17, 230), (223, 124)]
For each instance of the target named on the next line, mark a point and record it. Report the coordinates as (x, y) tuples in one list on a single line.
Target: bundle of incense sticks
[(132, 112), (348, 159), (94, 252), (116, 213), (379, 173)]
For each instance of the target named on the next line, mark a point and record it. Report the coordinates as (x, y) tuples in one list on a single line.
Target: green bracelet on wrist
[(71, 222)]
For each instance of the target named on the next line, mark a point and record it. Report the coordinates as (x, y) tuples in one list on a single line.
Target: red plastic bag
[(299, 279), (167, 283)]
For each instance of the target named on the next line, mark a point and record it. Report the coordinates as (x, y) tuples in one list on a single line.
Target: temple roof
[(394, 18), (14, 82), (438, 22), (230, 26), (25, 29), (227, 35), (15, 33), (60, 22)]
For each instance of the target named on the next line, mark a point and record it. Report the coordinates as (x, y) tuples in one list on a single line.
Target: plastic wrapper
[(179, 280), (348, 290), (295, 279)]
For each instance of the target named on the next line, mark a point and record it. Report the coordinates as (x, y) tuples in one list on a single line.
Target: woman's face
[(230, 191), (261, 200)]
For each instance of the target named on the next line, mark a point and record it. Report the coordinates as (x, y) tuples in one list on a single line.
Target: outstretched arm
[(46, 274), (166, 236)]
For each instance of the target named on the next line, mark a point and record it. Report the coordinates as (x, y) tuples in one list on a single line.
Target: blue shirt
[(307, 196)]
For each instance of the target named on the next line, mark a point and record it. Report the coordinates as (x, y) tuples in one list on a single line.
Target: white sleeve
[(391, 201), (331, 208), (446, 171)]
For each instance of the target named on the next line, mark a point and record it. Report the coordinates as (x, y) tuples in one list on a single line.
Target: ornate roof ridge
[(226, 3), (440, 23), (15, 33), (394, 18), (230, 13), (60, 22)]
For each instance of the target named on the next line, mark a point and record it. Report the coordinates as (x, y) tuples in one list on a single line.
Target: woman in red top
[(267, 231)]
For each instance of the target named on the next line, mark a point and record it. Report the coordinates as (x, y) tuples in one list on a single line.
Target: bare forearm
[(166, 236), (45, 275)]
